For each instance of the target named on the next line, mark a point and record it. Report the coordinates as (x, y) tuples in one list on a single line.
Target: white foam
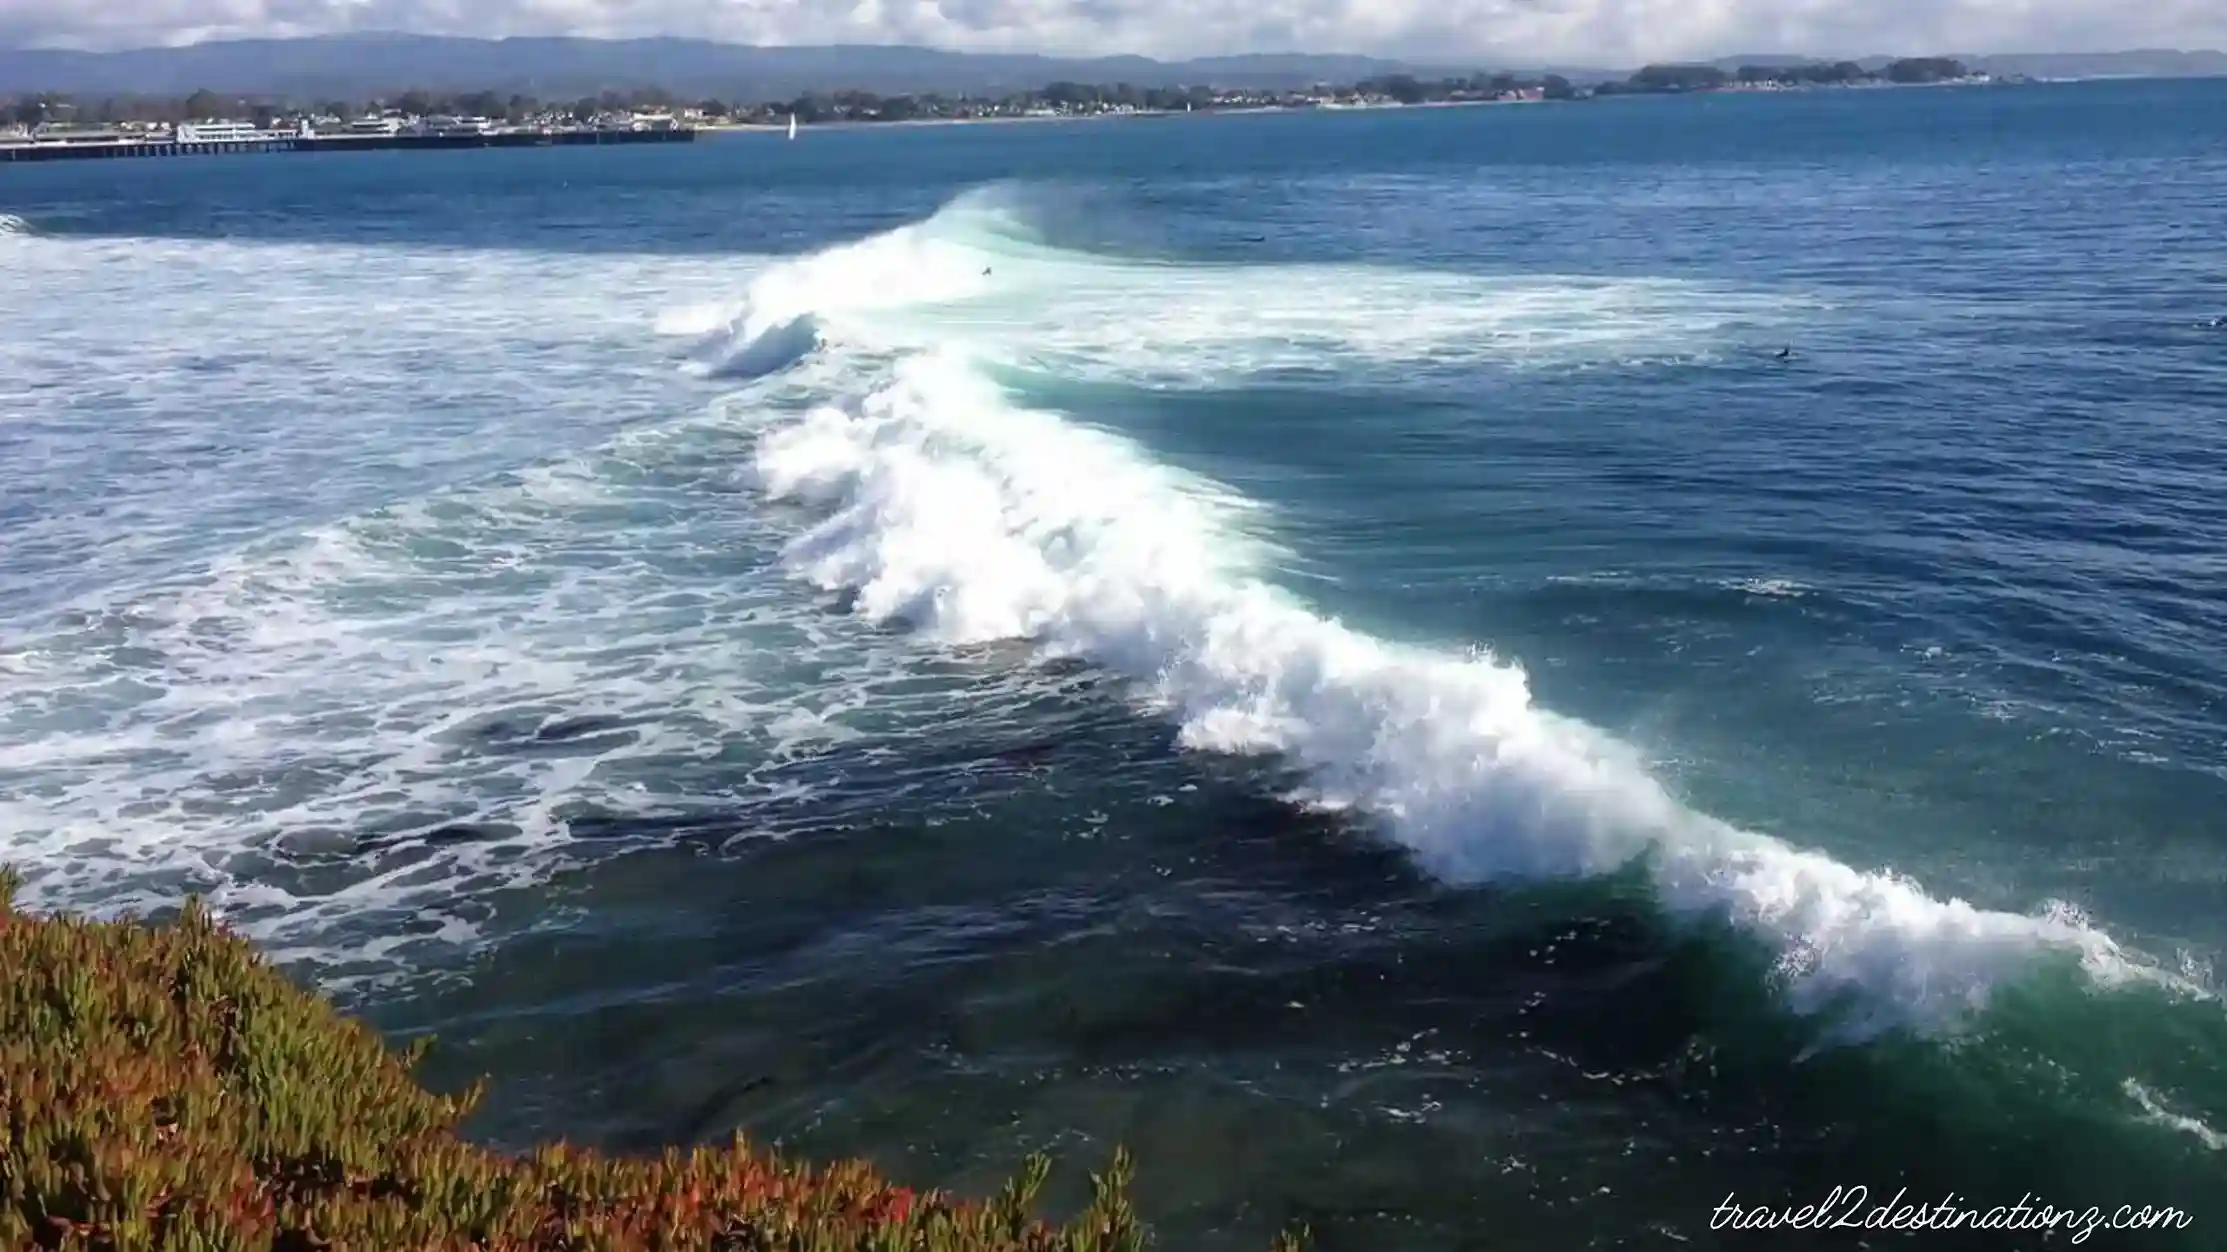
[(310, 521), (347, 688), (1770, 588), (973, 277), (2155, 1113), (298, 636), (694, 320), (946, 507)]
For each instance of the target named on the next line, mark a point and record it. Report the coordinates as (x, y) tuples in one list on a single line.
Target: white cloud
[(1580, 31)]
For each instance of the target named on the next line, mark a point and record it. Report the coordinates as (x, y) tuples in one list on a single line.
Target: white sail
[(792, 125)]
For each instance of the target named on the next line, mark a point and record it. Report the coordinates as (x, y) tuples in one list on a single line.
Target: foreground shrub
[(160, 1087)]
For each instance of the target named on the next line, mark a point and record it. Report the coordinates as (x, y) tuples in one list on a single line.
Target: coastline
[(12, 152), (298, 135), (781, 127)]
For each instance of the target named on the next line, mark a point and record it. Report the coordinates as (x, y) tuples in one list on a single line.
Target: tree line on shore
[(860, 105), (1909, 71)]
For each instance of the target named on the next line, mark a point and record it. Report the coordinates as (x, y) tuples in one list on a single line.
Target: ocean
[(1489, 678)]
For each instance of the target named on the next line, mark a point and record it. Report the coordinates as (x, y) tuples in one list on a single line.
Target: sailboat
[(792, 125)]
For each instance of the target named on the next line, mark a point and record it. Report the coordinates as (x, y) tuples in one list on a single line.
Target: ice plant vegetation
[(163, 1088)]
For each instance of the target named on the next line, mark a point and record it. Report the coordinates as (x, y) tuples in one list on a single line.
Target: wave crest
[(947, 507)]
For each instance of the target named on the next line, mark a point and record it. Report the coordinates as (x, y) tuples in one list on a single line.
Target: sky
[(1564, 31)]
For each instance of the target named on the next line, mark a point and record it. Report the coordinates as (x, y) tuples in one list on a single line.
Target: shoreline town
[(53, 127)]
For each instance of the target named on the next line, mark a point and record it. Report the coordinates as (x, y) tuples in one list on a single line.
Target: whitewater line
[(944, 507)]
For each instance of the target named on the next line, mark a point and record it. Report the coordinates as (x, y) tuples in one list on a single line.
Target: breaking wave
[(943, 503), (873, 390)]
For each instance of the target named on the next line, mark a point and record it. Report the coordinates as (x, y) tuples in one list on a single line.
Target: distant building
[(445, 125), (217, 132)]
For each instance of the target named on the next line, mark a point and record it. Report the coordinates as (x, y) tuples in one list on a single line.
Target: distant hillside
[(363, 65), (2146, 63)]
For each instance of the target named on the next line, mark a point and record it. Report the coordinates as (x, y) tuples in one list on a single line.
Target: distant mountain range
[(362, 65)]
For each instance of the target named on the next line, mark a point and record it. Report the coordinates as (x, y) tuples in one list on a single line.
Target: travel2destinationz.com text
[(1851, 1208)]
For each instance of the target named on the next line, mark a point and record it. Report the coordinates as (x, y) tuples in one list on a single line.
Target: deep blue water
[(1331, 649)]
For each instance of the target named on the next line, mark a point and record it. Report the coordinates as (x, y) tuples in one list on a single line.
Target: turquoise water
[(1331, 649)]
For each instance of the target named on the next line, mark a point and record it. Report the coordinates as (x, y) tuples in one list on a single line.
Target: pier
[(126, 149)]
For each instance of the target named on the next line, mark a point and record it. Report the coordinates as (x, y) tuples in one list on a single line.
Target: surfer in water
[(1784, 354)]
